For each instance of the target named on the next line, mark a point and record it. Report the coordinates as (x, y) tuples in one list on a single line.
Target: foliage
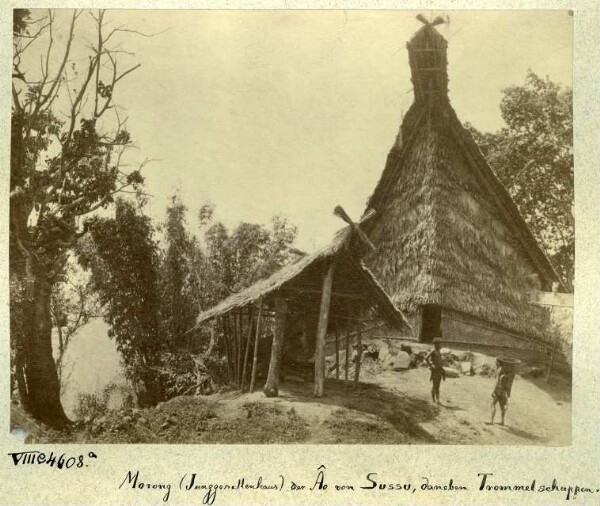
[(73, 304), (197, 273), (183, 373), (533, 157), (65, 164), (92, 406), (235, 260), (179, 282), (123, 260)]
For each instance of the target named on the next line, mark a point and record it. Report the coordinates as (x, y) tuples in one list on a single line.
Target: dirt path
[(395, 408), (538, 414)]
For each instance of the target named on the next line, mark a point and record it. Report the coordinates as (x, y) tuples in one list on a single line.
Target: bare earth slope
[(389, 407)]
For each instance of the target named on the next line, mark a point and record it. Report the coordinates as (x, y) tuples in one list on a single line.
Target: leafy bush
[(96, 405), (182, 373)]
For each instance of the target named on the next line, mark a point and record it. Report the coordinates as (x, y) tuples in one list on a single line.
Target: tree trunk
[(39, 387)]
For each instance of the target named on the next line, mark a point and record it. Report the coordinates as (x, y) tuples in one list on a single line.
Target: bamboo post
[(271, 388), (552, 357), (234, 338), (224, 342), (240, 344), (337, 349), (232, 343), (358, 353), (348, 332), (256, 338), (322, 331), (227, 348), (247, 352)]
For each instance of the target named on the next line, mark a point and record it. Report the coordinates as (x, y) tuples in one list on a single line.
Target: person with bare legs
[(434, 361), (501, 392)]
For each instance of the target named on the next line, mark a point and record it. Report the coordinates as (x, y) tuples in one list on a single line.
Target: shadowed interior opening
[(431, 320)]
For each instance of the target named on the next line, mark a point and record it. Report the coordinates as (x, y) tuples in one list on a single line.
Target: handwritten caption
[(209, 491), (63, 461)]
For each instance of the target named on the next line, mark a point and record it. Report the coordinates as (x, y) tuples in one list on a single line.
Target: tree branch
[(46, 99)]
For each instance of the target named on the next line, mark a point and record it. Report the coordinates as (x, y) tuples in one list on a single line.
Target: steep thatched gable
[(447, 231)]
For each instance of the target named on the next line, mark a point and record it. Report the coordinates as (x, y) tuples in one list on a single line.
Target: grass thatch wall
[(441, 240)]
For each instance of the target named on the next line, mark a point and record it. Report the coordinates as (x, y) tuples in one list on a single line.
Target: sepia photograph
[(291, 227)]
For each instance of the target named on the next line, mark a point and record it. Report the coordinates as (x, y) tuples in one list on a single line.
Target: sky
[(292, 112)]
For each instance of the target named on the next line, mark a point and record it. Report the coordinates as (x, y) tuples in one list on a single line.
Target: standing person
[(434, 361), (501, 392)]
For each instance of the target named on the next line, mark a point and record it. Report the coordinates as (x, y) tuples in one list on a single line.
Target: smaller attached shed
[(327, 292)]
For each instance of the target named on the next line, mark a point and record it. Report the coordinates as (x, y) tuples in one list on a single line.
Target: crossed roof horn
[(437, 21), (340, 213)]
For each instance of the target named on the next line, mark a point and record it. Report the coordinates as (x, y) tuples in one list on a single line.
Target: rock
[(402, 361), (463, 357), (533, 372), (127, 419), (415, 359), (371, 351), (486, 370), (451, 372), (449, 358), (384, 348), (406, 348), (141, 420), (465, 367), (478, 362)]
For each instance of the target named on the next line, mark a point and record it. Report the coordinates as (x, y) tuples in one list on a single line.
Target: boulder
[(406, 348), (533, 372), (486, 370), (483, 363), (466, 367), (415, 360), (463, 357), (451, 372), (402, 361)]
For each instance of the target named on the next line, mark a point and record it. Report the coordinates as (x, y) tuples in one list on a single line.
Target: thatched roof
[(447, 231), (299, 274)]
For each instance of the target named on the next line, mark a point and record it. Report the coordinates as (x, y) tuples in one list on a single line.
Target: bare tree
[(63, 168)]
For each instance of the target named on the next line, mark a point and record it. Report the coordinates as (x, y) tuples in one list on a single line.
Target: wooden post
[(250, 327), (240, 344), (256, 338), (322, 331), (348, 331), (271, 388), (232, 342), (337, 349), (226, 342), (358, 352), (552, 356)]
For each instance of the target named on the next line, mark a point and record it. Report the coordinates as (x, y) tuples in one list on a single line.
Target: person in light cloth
[(501, 392), (434, 361)]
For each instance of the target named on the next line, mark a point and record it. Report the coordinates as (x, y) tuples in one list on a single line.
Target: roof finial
[(428, 61), (437, 21)]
